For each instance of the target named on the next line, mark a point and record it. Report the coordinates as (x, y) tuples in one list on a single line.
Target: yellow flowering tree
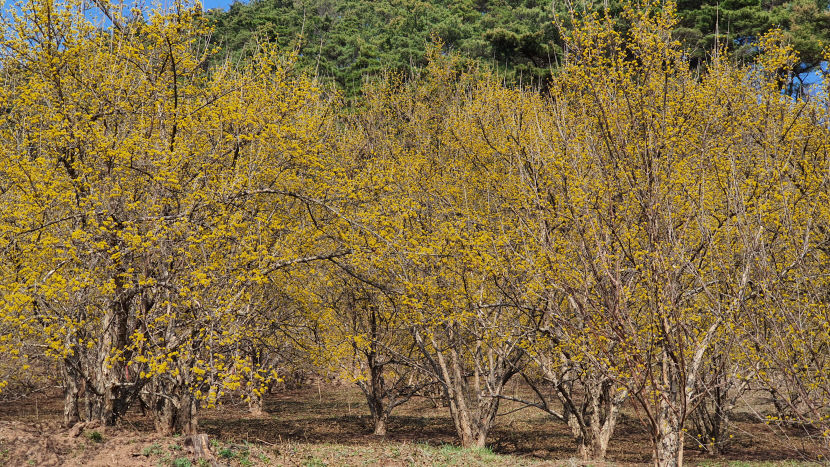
[(147, 200), (670, 180)]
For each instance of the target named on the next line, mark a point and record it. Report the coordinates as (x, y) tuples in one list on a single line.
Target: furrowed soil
[(330, 426)]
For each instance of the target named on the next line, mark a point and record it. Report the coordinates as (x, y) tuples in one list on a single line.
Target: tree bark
[(173, 415), (472, 411), (668, 437), (380, 426), (111, 369), (256, 404), (669, 447), (72, 387)]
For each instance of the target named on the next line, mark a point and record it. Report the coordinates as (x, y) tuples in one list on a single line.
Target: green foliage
[(314, 462), (181, 462), (95, 436), (449, 454), (152, 450), (345, 40), (738, 24), (242, 455)]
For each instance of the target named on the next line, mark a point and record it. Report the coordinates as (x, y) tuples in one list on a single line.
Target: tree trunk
[(380, 425), (580, 434), (256, 404), (164, 417), (669, 447), (175, 415), (72, 387), (376, 408), (188, 420), (473, 418), (472, 433), (375, 389), (111, 359), (668, 436), (606, 402), (594, 446), (599, 445), (473, 399), (593, 422)]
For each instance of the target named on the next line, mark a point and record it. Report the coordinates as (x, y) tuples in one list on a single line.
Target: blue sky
[(209, 4)]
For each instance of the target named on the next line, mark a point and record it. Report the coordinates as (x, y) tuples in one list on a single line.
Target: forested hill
[(344, 40)]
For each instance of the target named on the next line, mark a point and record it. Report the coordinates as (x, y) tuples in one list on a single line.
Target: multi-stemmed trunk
[(594, 422), (472, 395), (384, 389), (666, 404), (375, 389), (99, 373), (172, 402), (473, 419), (591, 408), (668, 437), (383, 395), (719, 390), (173, 406), (112, 395), (176, 414)]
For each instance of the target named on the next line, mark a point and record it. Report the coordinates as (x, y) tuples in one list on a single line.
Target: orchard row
[(644, 233)]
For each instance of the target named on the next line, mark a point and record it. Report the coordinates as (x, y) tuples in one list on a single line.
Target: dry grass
[(331, 426)]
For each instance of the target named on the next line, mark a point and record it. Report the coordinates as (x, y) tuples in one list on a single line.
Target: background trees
[(347, 40)]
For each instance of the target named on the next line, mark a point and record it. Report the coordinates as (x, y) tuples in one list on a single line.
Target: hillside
[(345, 40)]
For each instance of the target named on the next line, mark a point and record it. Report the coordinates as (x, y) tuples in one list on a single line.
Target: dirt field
[(331, 426)]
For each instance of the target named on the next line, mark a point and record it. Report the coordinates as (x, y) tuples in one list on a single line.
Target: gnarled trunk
[(669, 444), (375, 389), (176, 413), (380, 426), (472, 423), (384, 390), (71, 390), (112, 398)]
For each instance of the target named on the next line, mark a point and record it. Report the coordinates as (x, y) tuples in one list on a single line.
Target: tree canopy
[(346, 40)]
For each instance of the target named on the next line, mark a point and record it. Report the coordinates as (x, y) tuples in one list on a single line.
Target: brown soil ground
[(331, 426)]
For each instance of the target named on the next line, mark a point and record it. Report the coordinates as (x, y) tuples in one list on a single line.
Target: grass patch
[(759, 464), (152, 450), (449, 454)]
